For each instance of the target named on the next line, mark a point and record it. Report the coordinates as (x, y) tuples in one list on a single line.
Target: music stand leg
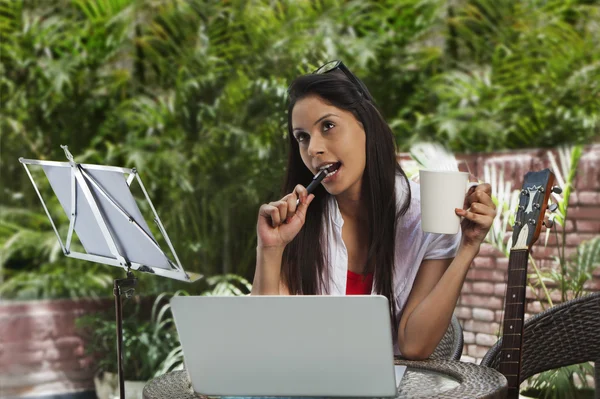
[(125, 286)]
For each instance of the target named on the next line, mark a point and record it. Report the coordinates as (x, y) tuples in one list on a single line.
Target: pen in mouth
[(318, 178)]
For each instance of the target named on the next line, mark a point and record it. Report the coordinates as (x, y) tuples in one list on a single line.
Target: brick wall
[(40, 352), (480, 306)]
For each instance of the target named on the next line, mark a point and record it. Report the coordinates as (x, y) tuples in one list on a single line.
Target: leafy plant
[(150, 347), (192, 93), (54, 281), (559, 383), (146, 343)]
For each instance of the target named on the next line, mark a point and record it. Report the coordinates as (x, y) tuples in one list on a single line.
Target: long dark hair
[(305, 266)]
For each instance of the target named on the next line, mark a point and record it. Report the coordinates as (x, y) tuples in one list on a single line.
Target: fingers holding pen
[(270, 212), (280, 221), (283, 211), (301, 194), (294, 200)]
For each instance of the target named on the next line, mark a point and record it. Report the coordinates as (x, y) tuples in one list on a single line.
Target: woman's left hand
[(479, 213)]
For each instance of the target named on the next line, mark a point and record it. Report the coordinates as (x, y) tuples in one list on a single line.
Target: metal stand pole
[(125, 286)]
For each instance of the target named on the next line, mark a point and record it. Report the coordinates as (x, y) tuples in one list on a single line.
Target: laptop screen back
[(287, 345)]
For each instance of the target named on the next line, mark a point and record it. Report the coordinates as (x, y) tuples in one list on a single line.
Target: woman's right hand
[(280, 221)]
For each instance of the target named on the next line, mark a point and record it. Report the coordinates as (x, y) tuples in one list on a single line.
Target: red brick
[(534, 307), (467, 359), (54, 305), (484, 262), (584, 212), (502, 264), (483, 288), (589, 198), (469, 337), (576, 239), (488, 250), (487, 340), (553, 239), (486, 275), (463, 312), (569, 252), (555, 296), (569, 227), (499, 289), (573, 198), (588, 171), (39, 351), (499, 316), (466, 288), (593, 285), (541, 252), (483, 314), (477, 351), (588, 226), (481, 301)]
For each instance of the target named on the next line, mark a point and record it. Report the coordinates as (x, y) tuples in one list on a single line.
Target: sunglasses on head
[(335, 65)]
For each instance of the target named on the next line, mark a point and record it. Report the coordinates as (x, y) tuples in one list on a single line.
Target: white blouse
[(413, 246)]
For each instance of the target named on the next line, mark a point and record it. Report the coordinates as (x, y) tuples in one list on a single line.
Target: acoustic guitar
[(535, 193)]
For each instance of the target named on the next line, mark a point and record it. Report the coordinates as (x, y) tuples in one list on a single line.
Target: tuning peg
[(548, 223), (553, 207), (556, 190)]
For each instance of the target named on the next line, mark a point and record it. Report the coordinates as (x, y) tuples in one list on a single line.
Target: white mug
[(441, 193)]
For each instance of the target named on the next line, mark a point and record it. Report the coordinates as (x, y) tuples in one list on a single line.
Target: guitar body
[(535, 194)]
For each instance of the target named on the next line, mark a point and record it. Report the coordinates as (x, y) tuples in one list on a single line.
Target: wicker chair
[(565, 334), (451, 345)]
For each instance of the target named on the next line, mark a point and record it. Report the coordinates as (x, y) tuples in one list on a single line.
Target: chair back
[(451, 345), (566, 334)]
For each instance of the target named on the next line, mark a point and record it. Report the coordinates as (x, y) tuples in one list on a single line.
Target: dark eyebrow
[(317, 121)]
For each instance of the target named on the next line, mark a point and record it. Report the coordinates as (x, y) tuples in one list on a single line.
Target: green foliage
[(59, 281), (193, 94), (522, 74), (150, 346), (146, 343), (558, 383)]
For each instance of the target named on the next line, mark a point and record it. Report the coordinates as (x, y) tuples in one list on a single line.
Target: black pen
[(315, 182)]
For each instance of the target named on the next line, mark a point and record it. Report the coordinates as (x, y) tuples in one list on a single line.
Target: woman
[(359, 232)]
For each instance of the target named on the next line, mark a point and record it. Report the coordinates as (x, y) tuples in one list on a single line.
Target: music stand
[(102, 211)]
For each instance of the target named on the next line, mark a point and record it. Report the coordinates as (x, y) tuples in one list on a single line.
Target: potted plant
[(147, 343), (151, 345)]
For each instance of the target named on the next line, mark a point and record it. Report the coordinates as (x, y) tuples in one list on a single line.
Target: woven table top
[(443, 379)]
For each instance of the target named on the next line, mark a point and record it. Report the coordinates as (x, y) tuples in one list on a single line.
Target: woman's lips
[(332, 176)]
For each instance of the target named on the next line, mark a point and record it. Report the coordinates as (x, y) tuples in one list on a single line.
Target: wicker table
[(443, 379)]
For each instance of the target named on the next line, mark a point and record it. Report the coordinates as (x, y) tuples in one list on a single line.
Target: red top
[(357, 284)]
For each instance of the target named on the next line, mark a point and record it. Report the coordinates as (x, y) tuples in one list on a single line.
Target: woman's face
[(329, 135)]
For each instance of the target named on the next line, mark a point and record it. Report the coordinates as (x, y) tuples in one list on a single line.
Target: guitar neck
[(514, 313)]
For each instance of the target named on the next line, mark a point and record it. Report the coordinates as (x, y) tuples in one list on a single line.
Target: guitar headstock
[(533, 201)]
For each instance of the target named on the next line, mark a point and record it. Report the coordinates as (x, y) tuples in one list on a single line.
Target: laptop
[(288, 345)]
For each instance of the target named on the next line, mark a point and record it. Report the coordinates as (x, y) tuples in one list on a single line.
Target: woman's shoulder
[(404, 188)]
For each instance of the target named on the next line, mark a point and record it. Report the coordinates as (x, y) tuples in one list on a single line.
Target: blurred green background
[(192, 93)]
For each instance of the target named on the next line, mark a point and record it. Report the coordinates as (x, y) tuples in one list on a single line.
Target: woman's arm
[(438, 283), (431, 302), (278, 223), (267, 276)]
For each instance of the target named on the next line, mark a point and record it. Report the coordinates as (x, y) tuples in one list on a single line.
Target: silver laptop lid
[(287, 345)]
